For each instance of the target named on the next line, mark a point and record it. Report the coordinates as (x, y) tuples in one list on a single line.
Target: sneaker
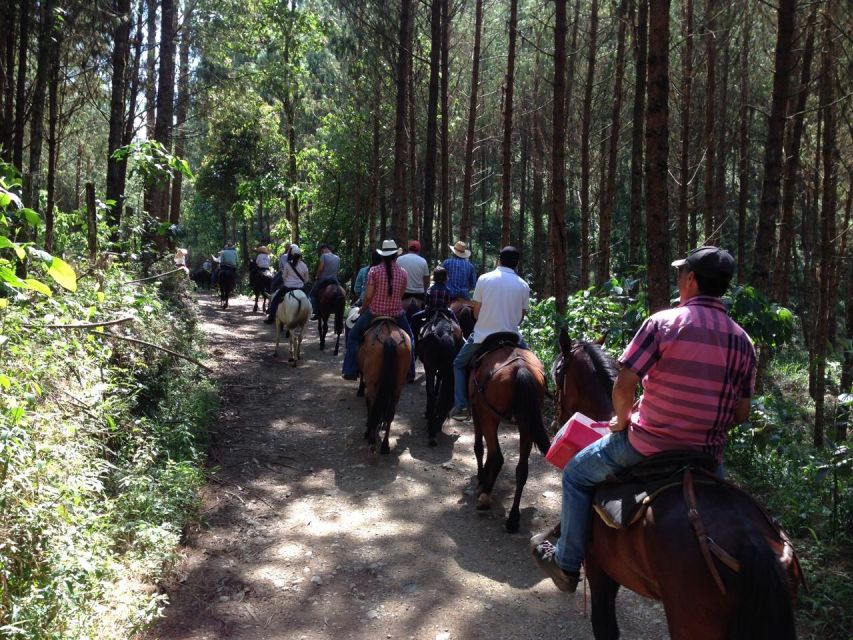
[(459, 413), (543, 553), (349, 376)]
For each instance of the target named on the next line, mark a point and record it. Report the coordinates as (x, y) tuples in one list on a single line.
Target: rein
[(480, 387)]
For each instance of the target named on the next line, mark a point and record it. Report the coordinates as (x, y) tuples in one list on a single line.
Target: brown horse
[(331, 299), (464, 310), (661, 556), (384, 358), (504, 383)]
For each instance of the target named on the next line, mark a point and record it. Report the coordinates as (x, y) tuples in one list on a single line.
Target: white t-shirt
[(416, 269), (502, 296), (263, 261), (290, 277)]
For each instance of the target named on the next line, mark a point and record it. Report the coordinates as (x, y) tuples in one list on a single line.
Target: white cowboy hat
[(460, 249), (352, 317), (389, 248)]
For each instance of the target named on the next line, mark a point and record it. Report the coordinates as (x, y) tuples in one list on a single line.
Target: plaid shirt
[(461, 277), (383, 303), (438, 296), (696, 364)]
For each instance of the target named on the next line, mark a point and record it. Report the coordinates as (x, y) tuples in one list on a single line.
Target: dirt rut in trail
[(305, 535)]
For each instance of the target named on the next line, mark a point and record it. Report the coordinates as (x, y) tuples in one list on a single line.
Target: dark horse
[(660, 556), (227, 280), (261, 282), (506, 382), (464, 310), (383, 359), (201, 279), (439, 342), (331, 299)]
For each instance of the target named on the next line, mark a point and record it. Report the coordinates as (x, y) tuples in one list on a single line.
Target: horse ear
[(565, 341)]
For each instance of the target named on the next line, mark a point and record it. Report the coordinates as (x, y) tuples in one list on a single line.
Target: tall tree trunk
[(681, 242), (743, 145), (52, 149), (710, 30), (412, 168), (151, 87), (586, 123), (847, 257), (539, 252), (657, 154), (7, 80), (558, 170), (635, 223), (376, 199), (722, 142), (465, 221), (506, 147), (791, 168), (181, 113), (165, 104), (45, 59), (399, 222), (432, 127), (768, 212), (826, 312), (445, 128), (130, 117), (609, 196), (121, 40), (21, 86)]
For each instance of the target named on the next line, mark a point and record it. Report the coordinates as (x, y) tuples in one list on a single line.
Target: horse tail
[(765, 610), (386, 392), (528, 409), (300, 315), (338, 307)]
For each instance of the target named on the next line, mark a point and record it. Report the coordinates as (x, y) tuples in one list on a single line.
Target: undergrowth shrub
[(101, 453)]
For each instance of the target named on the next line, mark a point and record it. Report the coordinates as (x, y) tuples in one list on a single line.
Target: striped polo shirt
[(696, 364)]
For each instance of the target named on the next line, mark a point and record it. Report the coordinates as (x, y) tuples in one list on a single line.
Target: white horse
[(291, 316)]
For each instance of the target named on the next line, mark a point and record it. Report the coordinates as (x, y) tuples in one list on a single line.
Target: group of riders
[(696, 365)]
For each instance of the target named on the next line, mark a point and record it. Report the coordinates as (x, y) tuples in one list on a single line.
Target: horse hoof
[(484, 502), (512, 523)]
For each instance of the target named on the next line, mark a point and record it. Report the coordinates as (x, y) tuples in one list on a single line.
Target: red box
[(579, 432)]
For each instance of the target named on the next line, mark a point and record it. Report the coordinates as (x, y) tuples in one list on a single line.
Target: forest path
[(305, 535)]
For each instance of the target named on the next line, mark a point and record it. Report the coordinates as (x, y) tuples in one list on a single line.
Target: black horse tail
[(339, 303), (528, 410), (765, 610), (386, 392)]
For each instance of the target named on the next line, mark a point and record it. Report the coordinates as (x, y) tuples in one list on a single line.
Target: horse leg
[(322, 328), (478, 447), (255, 309), (385, 447), (337, 342), (603, 591), (494, 462), (525, 445), (277, 336)]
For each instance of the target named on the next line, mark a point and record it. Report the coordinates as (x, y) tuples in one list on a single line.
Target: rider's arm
[(623, 398), (319, 268), (742, 410), (426, 283), (368, 297), (477, 305)]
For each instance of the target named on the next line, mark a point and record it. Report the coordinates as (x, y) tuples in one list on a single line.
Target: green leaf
[(32, 217), (63, 274), (5, 381), (5, 243), (38, 285)]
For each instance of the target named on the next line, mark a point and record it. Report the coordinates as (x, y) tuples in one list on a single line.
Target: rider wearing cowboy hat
[(262, 260), (383, 296), (461, 277)]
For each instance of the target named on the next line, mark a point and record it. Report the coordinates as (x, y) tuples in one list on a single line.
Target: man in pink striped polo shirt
[(697, 367)]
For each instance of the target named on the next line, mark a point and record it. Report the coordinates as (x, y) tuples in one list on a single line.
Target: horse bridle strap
[(706, 543), (481, 386)]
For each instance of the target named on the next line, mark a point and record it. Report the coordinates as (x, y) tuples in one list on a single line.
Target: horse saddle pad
[(494, 342), (380, 319), (622, 501)]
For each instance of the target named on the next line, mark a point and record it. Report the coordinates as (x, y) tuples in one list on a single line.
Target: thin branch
[(155, 346), (81, 325)]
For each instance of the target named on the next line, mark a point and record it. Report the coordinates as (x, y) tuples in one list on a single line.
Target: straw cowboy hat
[(389, 248), (460, 249), (263, 249)]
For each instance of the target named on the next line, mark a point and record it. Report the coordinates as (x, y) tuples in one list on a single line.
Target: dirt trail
[(305, 535)]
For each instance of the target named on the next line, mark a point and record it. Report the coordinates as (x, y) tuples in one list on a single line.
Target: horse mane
[(604, 365)]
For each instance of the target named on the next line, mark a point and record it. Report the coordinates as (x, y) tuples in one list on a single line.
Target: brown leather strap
[(480, 386), (706, 543)]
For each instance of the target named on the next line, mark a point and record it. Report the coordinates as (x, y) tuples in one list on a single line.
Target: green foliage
[(101, 450), (152, 161), (768, 324)]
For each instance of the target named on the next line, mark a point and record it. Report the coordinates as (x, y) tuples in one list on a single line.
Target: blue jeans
[(581, 476), (350, 366), (460, 369)]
